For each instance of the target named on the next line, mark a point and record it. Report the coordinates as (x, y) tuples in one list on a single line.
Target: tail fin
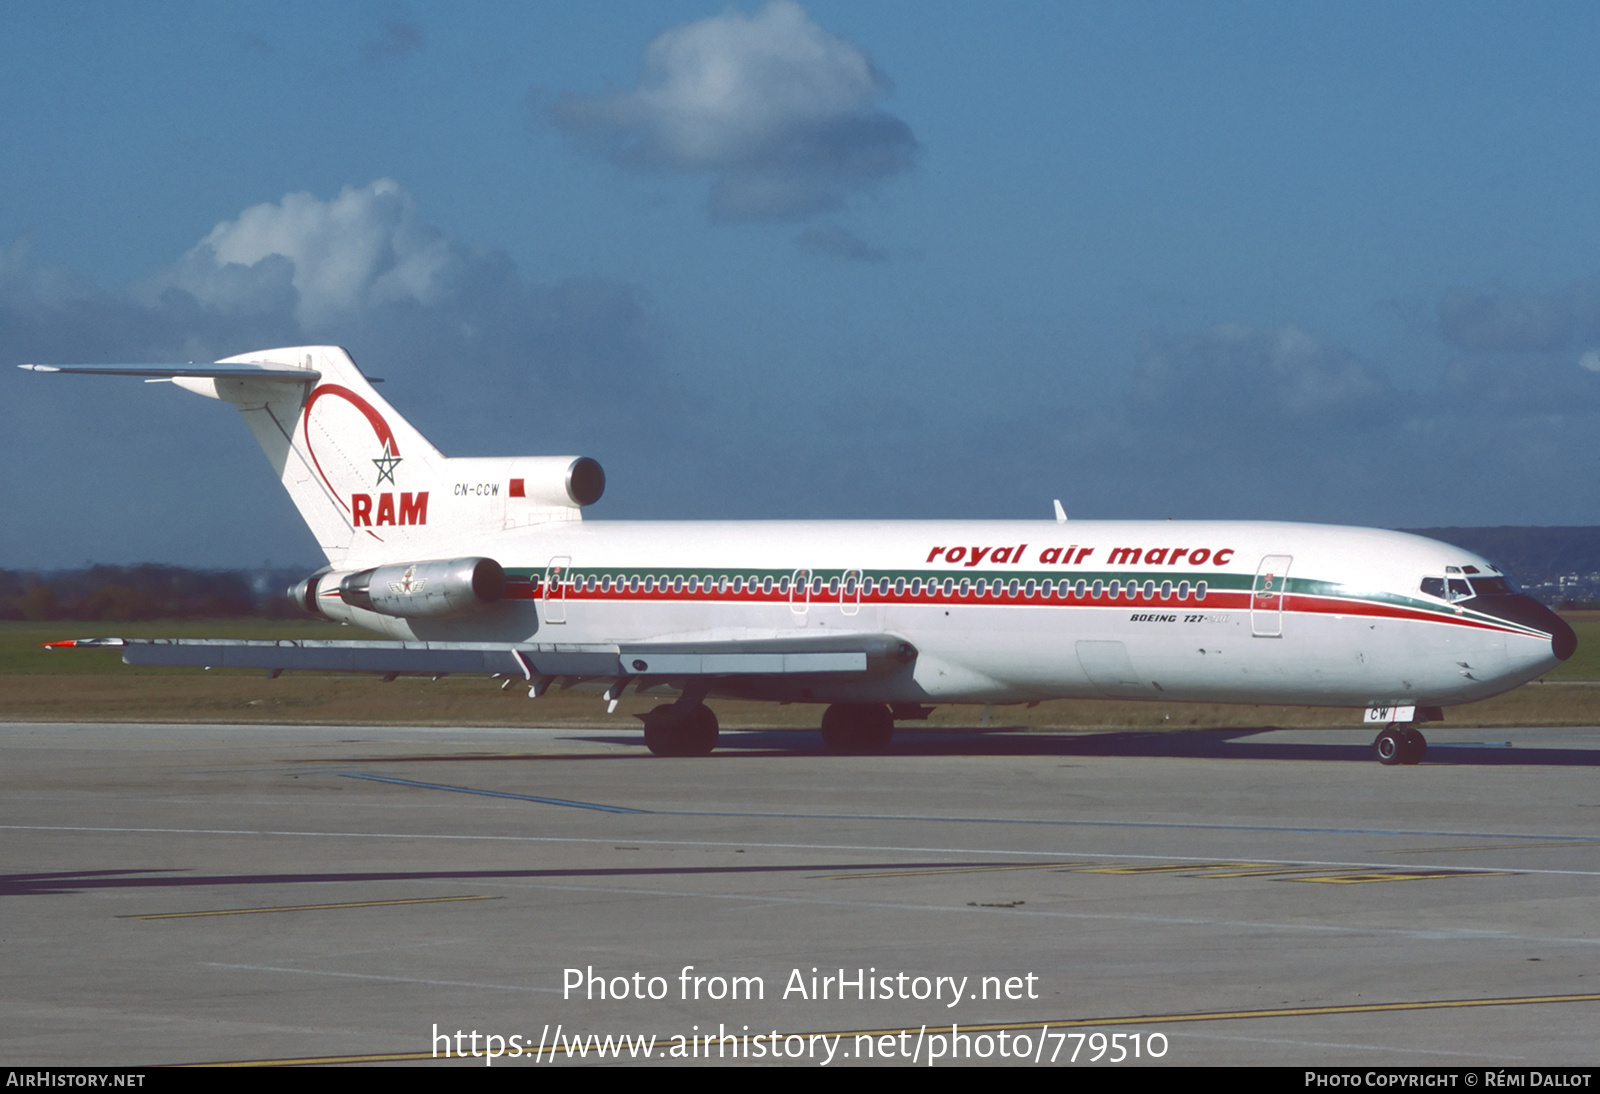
[(354, 467), (369, 486)]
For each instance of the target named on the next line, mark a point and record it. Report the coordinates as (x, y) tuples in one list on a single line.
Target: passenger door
[(1266, 596)]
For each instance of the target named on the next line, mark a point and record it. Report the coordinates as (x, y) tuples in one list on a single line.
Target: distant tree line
[(122, 593)]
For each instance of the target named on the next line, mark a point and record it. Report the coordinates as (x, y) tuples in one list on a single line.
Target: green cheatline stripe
[(309, 907), (754, 576), (1216, 583), (1064, 1023)]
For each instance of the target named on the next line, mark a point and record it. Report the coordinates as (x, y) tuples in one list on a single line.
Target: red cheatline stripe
[(1239, 600)]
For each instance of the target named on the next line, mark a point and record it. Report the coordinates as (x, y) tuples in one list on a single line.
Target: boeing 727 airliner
[(486, 566)]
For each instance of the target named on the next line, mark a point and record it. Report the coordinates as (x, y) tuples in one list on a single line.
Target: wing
[(659, 661)]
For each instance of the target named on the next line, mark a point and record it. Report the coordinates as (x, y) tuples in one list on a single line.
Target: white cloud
[(1479, 320), (362, 249), (482, 360), (1277, 375), (836, 241), (24, 284), (780, 110)]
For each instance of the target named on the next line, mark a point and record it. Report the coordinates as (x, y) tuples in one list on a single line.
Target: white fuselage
[(1201, 610)]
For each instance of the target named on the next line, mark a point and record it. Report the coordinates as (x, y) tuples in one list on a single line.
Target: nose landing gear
[(1400, 744)]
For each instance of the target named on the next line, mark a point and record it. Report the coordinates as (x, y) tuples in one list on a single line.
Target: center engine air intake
[(417, 589)]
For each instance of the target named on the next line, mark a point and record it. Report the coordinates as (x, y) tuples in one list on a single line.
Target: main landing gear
[(1400, 744), (857, 728), (676, 729)]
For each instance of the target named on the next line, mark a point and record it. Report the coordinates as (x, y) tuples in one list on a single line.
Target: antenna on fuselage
[(1061, 514)]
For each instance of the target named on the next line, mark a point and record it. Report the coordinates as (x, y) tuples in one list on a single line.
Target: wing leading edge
[(263, 371)]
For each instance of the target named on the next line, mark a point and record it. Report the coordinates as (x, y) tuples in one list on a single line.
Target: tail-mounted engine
[(405, 590)]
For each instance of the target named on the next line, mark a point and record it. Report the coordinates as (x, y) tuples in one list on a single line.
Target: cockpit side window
[(1459, 589), (1433, 586)]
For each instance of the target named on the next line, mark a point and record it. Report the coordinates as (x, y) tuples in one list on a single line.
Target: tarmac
[(235, 894)]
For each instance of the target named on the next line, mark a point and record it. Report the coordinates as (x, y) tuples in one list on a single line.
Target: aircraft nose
[(1528, 612)]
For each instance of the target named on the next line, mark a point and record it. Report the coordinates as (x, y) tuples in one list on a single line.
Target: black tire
[(657, 733), (697, 736), (1415, 747), (1390, 746), (671, 732), (857, 728)]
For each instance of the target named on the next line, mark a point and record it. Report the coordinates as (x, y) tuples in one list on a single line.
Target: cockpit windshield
[(1456, 589)]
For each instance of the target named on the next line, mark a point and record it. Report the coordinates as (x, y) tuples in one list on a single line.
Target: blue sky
[(1312, 262)]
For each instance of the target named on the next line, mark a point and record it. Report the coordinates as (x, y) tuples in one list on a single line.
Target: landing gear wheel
[(1389, 747), (657, 733), (857, 728), (671, 732), (698, 733), (1415, 746)]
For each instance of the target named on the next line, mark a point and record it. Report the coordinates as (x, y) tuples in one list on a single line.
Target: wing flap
[(742, 664)]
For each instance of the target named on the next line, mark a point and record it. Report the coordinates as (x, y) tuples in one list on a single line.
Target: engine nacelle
[(564, 480), (406, 590)]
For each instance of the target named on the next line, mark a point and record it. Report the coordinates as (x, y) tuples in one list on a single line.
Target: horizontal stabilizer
[(263, 371)]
